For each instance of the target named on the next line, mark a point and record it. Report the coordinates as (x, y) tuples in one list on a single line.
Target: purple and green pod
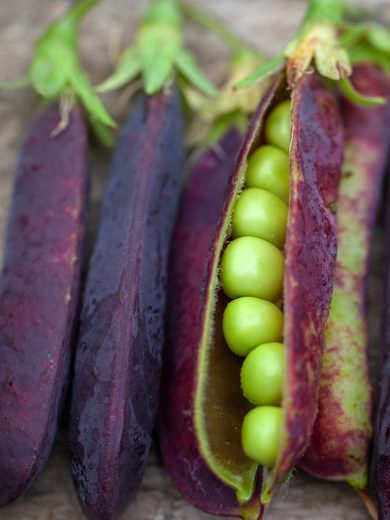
[(39, 291), (203, 409), (341, 438), (118, 359)]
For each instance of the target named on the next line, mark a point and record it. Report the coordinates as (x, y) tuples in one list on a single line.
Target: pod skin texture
[(197, 223), (39, 294), (380, 467), (118, 358), (316, 156), (315, 164), (342, 432)]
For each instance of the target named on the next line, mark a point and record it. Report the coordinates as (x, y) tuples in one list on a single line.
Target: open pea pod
[(203, 409), (342, 432)]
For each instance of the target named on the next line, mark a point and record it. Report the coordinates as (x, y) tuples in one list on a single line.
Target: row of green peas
[(252, 268)]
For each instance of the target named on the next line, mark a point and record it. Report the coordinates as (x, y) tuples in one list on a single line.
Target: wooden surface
[(265, 24)]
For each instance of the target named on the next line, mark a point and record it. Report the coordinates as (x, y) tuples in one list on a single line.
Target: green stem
[(235, 43), (80, 9), (163, 12), (56, 71), (328, 11)]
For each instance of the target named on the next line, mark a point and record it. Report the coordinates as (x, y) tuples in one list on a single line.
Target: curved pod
[(197, 223), (39, 292), (202, 395), (118, 358)]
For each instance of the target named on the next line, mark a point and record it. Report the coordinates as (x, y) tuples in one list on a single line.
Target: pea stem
[(164, 11), (56, 72), (333, 12), (80, 9), (319, 11), (209, 22)]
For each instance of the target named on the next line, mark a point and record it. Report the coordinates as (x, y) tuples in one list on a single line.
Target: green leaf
[(128, 68), (103, 133), (265, 70), (158, 50), (55, 54), (48, 77), (352, 35), (56, 73), (326, 61), (94, 107), (366, 53), (186, 64), (379, 37), (357, 97), (157, 47), (332, 62), (367, 42)]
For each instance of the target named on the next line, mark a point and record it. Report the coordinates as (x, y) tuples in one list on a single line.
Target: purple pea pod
[(380, 466), (118, 359), (342, 433), (197, 224), (203, 408), (39, 293)]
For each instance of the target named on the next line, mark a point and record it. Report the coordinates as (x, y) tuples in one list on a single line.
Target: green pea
[(262, 374), (278, 126), (252, 267), (261, 434), (261, 214), (268, 168), (248, 322)]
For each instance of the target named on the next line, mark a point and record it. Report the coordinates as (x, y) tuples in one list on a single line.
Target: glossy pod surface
[(342, 431), (39, 294), (118, 360), (202, 394)]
